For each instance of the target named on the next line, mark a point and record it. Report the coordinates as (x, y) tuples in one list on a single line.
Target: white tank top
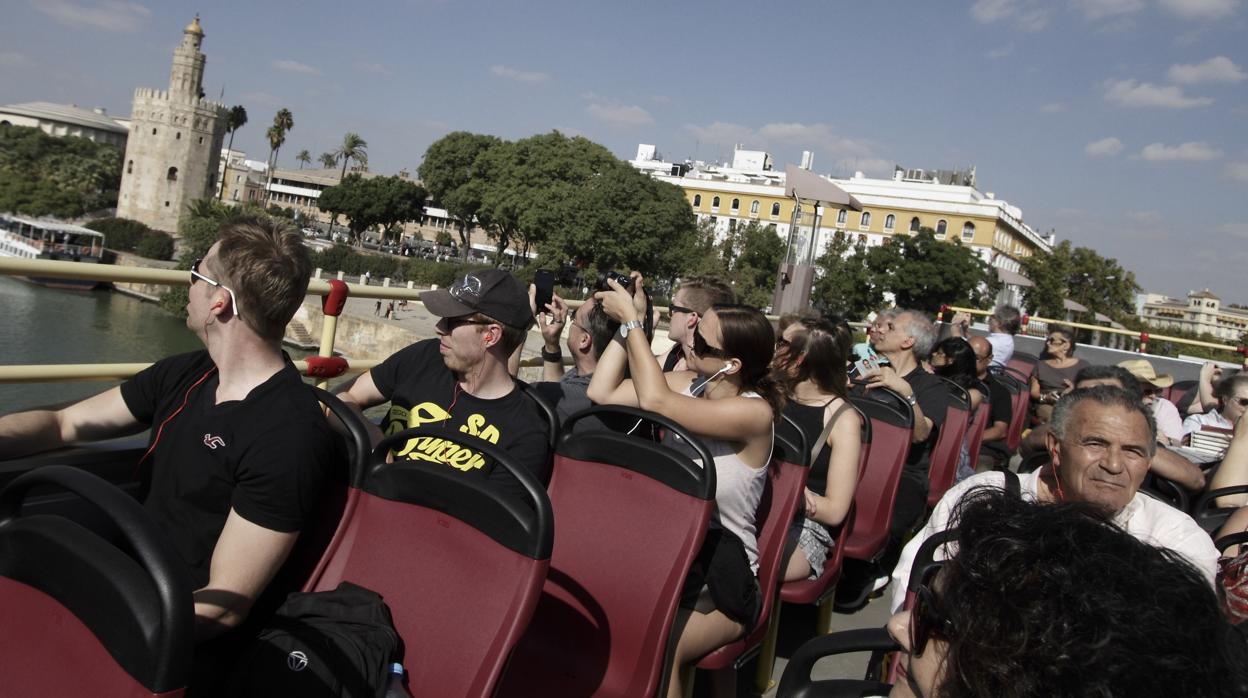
[(738, 488)]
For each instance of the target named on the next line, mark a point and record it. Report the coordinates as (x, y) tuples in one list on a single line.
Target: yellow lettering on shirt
[(436, 450)]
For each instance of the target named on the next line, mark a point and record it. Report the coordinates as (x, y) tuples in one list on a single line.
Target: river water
[(49, 326)]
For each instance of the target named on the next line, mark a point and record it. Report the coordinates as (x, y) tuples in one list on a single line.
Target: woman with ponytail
[(812, 355), (730, 400)]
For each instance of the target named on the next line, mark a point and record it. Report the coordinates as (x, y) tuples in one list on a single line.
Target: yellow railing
[(1144, 337)]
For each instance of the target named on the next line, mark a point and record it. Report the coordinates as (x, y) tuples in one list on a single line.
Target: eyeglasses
[(925, 617), (673, 309), (196, 276), (1055, 340), (453, 322), (701, 348)]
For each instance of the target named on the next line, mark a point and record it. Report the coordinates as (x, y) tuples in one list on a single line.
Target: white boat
[(28, 238)]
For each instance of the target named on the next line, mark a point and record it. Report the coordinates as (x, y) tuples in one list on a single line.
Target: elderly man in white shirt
[(1100, 442), (1003, 324)]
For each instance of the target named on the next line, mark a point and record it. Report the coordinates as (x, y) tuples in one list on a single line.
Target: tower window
[(177, 136), (172, 175), (130, 167), (201, 140), (166, 204), (153, 132)]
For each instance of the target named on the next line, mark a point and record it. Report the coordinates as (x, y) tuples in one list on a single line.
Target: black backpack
[(331, 643)]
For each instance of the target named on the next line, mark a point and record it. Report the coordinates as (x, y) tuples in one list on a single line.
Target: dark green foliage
[(449, 172), (378, 201), (63, 177), (422, 272), (199, 229), (155, 246), (1080, 274), (126, 235), (748, 258)]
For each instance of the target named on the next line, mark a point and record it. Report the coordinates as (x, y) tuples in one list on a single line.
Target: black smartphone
[(544, 282)]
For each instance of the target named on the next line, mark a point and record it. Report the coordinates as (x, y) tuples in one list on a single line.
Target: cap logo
[(297, 661), (467, 289)]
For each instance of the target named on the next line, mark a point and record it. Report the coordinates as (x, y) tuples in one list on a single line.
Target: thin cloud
[(290, 66), (374, 68), (1145, 217), (261, 98), (530, 77), (1134, 94), (1216, 69), (15, 60), (1192, 151), (1027, 15), (1053, 108), (1001, 52), (1239, 230), (1237, 171), (1103, 147), (109, 15), (1200, 9), (620, 114), (660, 99), (1093, 10)]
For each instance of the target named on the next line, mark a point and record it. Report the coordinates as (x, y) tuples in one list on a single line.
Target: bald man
[(993, 453)]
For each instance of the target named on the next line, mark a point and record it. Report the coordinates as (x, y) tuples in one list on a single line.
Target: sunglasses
[(453, 322), (706, 351), (673, 309), (925, 617), (196, 276)]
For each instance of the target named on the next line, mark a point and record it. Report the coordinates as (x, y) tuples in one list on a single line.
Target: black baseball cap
[(491, 292)]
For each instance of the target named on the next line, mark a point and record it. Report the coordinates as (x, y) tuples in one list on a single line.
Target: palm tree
[(283, 121), (353, 147), (235, 119), (303, 158), (328, 160)]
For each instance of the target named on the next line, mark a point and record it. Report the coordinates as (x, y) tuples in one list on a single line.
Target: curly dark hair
[(1055, 600), (961, 367)]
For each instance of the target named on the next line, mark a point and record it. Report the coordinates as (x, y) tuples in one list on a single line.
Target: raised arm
[(99, 417)]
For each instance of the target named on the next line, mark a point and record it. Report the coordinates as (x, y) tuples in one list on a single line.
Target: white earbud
[(702, 386)]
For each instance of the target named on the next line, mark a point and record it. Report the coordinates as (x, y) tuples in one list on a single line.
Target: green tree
[(328, 161), (353, 147), (1082, 275), (41, 175), (844, 285), (928, 273), (235, 119), (377, 201), (449, 171), (121, 234), (283, 122), (303, 158), (443, 239)]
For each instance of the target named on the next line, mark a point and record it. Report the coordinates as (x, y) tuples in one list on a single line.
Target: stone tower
[(174, 144)]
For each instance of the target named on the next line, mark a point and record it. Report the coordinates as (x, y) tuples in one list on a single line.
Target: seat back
[(459, 563), (1022, 364), (979, 422), (816, 590), (545, 408), (83, 616), (632, 517), (943, 464), (786, 483), (1020, 396), (891, 431)]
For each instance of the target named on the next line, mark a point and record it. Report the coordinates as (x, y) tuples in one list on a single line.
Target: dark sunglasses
[(453, 322), (925, 617), (673, 309), (706, 351)]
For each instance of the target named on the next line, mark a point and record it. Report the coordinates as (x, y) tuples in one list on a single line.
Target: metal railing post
[(332, 304)]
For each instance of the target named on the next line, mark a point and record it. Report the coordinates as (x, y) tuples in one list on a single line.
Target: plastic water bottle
[(394, 683)]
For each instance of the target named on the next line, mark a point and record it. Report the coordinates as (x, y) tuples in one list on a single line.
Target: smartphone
[(544, 282)]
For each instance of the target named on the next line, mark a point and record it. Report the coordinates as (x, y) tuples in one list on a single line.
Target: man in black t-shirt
[(239, 449), (993, 453), (460, 382)]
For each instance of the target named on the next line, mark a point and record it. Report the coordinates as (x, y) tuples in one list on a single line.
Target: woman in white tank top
[(730, 400)]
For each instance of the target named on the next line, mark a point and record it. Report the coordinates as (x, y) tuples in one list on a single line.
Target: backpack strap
[(1011, 483)]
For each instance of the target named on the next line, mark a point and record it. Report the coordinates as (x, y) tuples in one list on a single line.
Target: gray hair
[(918, 327), (1008, 317), (1106, 396)]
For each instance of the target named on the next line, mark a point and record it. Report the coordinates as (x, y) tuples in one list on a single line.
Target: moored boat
[(29, 238)]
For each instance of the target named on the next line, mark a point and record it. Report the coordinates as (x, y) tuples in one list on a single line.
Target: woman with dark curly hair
[(1055, 600)]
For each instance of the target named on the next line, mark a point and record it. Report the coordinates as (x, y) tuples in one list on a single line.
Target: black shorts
[(722, 572)]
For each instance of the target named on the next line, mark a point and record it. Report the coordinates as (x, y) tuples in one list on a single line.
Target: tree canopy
[(1082, 275), (41, 175), (449, 173), (376, 201)]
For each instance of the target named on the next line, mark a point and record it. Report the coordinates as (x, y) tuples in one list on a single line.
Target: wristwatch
[(911, 399), (626, 327)]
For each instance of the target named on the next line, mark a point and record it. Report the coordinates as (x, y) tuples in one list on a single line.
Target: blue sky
[(1119, 123)]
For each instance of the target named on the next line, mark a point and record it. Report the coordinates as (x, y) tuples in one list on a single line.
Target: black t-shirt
[(1002, 409), (266, 456), (934, 399), (422, 390)]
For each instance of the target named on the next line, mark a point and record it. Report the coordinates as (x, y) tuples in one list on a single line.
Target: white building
[(67, 120)]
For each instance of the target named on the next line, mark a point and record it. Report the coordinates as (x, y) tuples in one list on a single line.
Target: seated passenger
[(1169, 423), (994, 453), (1051, 600), (240, 449), (1003, 324), (953, 359), (589, 333), (811, 357), (1100, 442), (693, 297), (1231, 395), (731, 402), (1055, 371), (460, 381)]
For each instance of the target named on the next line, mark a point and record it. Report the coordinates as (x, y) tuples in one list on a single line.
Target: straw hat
[(1142, 369)]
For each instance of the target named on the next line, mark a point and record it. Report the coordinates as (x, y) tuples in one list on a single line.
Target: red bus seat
[(783, 491), (979, 422), (632, 517), (1022, 364), (81, 615), (459, 563), (892, 427), (943, 465), (1020, 397)]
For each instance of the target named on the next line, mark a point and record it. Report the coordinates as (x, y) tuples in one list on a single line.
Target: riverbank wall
[(360, 334), (148, 292)]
